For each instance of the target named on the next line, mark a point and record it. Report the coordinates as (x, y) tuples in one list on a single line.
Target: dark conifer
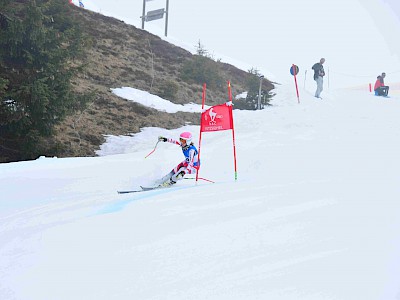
[(37, 50)]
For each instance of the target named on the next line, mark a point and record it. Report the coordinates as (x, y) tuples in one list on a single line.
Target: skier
[(380, 88), (319, 74), (188, 166)]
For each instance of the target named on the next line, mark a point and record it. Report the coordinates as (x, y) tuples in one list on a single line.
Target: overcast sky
[(355, 36)]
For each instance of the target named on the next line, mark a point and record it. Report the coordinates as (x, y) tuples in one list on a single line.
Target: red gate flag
[(217, 118)]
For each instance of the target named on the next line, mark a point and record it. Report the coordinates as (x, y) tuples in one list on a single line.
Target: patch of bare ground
[(121, 55)]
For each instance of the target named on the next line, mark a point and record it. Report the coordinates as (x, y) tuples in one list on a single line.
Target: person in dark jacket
[(380, 88), (319, 74)]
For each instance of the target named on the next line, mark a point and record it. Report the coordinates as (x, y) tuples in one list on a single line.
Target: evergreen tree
[(253, 86), (202, 69), (37, 49), (4, 4)]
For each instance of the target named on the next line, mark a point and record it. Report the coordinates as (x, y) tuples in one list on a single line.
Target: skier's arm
[(164, 139)]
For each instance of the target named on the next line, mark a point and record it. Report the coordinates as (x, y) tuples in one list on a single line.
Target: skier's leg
[(178, 175), (174, 171), (180, 171), (184, 169), (165, 178)]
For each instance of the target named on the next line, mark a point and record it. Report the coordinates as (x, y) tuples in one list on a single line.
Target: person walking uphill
[(319, 74), (380, 88), (188, 166)]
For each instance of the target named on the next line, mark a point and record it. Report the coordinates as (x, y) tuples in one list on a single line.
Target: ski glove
[(162, 139)]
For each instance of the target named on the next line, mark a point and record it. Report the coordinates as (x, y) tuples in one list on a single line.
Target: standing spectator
[(319, 74), (380, 88)]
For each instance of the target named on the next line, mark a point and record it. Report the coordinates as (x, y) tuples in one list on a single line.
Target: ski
[(150, 188), (144, 189), (127, 192)]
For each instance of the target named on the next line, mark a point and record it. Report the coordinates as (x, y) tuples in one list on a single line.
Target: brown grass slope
[(123, 55)]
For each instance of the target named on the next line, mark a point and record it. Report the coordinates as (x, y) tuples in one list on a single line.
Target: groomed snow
[(313, 214)]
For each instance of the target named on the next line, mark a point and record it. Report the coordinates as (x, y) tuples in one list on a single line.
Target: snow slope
[(314, 213)]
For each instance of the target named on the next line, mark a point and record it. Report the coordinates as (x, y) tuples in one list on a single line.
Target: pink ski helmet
[(187, 136)]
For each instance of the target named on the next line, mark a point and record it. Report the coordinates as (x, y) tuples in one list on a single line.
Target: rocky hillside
[(122, 55)]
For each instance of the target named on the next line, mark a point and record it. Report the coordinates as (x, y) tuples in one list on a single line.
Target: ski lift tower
[(155, 14)]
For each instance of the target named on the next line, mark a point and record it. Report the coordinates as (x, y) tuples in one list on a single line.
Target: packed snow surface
[(313, 214)]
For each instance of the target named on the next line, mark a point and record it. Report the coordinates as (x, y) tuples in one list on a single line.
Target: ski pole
[(152, 150), (200, 179), (206, 180)]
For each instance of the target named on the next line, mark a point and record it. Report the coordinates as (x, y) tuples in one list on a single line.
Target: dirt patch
[(121, 55)]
